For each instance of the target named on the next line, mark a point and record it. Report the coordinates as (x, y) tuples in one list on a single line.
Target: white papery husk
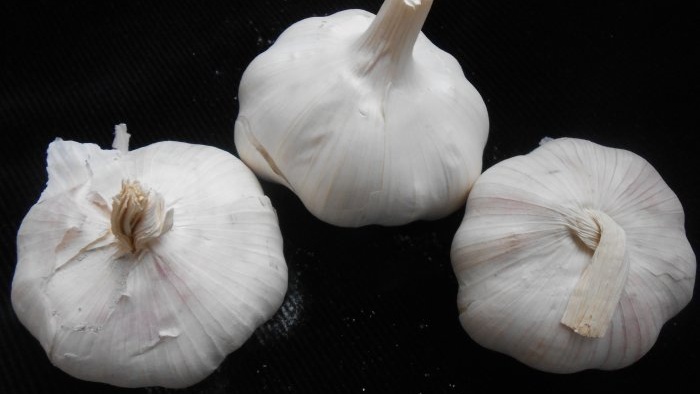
[(169, 314), (517, 260), (360, 137)]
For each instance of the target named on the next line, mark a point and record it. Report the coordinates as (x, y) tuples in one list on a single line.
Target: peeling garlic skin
[(367, 123), (204, 270), (531, 231)]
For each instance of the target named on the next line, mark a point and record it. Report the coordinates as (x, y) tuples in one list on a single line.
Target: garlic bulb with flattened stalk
[(363, 118), (572, 257), (147, 267)]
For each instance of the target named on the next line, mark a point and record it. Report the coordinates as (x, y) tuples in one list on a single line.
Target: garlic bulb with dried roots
[(572, 257), (147, 267), (363, 118)]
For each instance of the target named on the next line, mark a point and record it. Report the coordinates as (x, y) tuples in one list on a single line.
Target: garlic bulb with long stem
[(363, 118), (147, 267), (572, 257)]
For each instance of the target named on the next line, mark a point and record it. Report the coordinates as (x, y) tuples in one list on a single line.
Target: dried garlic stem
[(598, 290), (391, 36), (138, 217)]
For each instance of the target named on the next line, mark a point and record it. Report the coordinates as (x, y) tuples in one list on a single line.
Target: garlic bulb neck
[(597, 293), (586, 229), (390, 38), (138, 217)]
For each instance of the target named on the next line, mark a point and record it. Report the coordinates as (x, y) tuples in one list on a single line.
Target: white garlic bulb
[(571, 257), (147, 267), (363, 118)]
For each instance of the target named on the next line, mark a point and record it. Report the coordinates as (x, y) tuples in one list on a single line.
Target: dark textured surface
[(370, 309)]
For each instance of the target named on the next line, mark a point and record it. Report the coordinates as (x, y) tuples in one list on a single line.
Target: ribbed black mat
[(373, 309)]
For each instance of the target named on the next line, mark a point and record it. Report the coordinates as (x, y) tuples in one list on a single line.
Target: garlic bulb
[(363, 118), (148, 267), (571, 257)]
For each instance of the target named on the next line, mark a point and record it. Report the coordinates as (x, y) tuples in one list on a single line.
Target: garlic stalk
[(597, 293), (146, 267), (572, 257), (138, 217), (363, 118)]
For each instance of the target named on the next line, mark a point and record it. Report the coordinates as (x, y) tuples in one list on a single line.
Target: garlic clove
[(526, 244), (363, 118), (203, 268)]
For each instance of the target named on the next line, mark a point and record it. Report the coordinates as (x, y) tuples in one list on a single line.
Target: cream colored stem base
[(597, 293)]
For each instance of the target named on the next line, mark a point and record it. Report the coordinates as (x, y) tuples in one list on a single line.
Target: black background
[(370, 309)]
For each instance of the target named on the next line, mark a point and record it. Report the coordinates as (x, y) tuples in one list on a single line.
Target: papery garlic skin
[(528, 235), (363, 118), (204, 273)]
